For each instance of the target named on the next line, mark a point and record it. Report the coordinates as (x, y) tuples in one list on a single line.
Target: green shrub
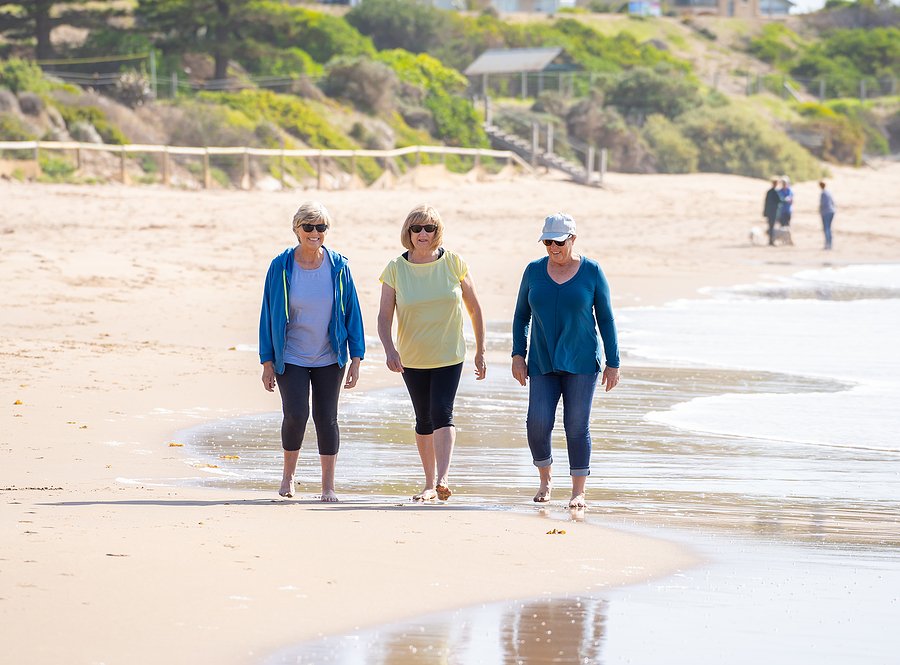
[(674, 152), (322, 36), (600, 7), (298, 118), (215, 125), (264, 59), (13, 129), (661, 90), (776, 44), (424, 71), (23, 76), (56, 168), (590, 123), (457, 122), (872, 124), (842, 140), (735, 140), (408, 24), (369, 85), (93, 115)]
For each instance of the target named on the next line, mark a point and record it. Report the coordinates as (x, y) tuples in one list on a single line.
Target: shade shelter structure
[(512, 62)]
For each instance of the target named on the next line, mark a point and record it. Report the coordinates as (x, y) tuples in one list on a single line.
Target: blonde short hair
[(422, 214), (311, 212)]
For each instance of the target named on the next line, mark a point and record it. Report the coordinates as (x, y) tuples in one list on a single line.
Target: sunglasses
[(417, 228), (558, 243), (321, 228)]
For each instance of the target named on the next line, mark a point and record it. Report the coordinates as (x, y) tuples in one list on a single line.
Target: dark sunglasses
[(417, 228), (321, 228), (558, 243)]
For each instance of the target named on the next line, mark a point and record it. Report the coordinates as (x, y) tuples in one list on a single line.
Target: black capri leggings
[(432, 392), (294, 386)]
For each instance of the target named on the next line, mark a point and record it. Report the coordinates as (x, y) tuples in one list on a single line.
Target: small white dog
[(780, 235), (757, 236)]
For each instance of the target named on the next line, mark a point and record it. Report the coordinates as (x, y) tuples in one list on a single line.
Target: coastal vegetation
[(386, 73)]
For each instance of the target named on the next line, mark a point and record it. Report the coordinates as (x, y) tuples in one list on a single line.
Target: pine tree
[(34, 19), (204, 26)]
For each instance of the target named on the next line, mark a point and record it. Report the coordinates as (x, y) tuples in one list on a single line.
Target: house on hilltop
[(735, 8)]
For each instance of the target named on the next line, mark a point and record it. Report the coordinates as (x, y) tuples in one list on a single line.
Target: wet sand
[(124, 309)]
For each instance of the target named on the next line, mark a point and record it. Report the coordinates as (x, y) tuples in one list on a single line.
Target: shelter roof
[(512, 60)]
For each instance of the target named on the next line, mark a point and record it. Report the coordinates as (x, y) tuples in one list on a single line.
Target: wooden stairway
[(502, 140)]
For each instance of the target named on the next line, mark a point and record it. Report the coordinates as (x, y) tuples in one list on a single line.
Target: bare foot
[(543, 495), (443, 492), (329, 496), (287, 487), (426, 495), (577, 501)]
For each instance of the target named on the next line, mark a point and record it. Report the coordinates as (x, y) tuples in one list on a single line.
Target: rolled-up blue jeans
[(577, 392)]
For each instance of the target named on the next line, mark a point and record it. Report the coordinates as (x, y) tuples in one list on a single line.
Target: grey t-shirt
[(311, 301)]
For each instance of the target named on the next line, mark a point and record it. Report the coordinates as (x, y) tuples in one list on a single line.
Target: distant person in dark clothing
[(770, 209), (787, 198), (826, 209)]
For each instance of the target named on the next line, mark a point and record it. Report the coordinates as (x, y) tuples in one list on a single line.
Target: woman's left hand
[(480, 366), (610, 378), (352, 373)]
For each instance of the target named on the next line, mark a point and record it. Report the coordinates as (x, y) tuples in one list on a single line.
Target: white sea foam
[(851, 341)]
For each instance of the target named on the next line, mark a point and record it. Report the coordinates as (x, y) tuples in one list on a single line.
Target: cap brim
[(553, 236)]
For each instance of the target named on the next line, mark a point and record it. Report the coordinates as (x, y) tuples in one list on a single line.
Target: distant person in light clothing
[(428, 287), (826, 209), (787, 199), (770, 208)]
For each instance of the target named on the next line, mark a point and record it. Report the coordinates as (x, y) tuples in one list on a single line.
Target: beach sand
[(124, 313)]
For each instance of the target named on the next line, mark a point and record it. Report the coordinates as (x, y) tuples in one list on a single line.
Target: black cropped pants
[(432, 392), (294, 386)]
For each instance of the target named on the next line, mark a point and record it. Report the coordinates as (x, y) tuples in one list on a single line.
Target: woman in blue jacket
[(564, 299), (309, 328)]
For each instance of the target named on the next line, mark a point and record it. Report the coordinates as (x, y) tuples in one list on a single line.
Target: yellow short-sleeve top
[(429, 310)]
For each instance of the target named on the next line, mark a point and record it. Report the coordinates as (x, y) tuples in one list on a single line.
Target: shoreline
[(124, 306)]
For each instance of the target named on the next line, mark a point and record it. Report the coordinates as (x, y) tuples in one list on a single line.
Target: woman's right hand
[(393, 361), (268, 376), (519, 369)]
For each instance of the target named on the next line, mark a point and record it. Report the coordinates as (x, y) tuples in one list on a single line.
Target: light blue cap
[(558, 226)]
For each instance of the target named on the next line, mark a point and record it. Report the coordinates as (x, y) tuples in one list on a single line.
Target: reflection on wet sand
[(563, 630), (537, 632)]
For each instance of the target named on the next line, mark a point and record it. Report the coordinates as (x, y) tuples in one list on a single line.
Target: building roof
[(512, 60)]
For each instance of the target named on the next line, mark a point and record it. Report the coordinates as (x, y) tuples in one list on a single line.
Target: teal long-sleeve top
[(561, 318)]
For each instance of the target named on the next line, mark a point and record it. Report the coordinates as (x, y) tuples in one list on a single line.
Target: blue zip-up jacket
[(345, 327), (563, 320)]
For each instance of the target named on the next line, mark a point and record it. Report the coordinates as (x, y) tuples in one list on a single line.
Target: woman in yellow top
[(428, 286)]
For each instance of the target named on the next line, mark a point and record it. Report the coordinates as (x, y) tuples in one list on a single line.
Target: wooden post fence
[(478, 154)]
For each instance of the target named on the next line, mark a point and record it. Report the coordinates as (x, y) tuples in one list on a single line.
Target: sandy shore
[(124, 310)]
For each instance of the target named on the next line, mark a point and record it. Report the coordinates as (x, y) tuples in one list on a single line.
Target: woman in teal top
[(563, 300)]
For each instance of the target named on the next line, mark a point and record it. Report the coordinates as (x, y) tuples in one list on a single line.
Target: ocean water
[(845, 328), (760, 426)]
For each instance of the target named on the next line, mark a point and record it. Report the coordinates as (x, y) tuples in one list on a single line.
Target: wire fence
[(529, 85), (102, 72), (823, 87)]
